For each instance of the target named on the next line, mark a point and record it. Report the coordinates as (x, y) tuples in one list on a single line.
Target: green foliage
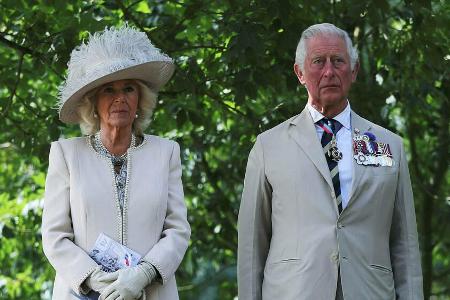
[(234, 79)]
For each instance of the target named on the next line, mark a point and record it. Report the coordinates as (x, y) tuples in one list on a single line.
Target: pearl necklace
[(116, 160), (120, 162)]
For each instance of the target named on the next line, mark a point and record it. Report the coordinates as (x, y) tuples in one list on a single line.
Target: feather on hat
[(110, 55)]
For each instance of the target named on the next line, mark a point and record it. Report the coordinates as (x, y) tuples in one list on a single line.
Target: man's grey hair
[(323, 29), (90, 123)]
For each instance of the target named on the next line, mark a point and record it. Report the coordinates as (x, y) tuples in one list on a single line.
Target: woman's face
[(117, 104)]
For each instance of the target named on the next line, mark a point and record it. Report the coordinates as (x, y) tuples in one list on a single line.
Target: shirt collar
[(343, 117)]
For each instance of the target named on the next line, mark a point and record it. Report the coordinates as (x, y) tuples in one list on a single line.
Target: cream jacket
[(292, 240), (81, 202)]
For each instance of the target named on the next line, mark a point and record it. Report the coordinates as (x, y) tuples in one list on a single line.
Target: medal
[(334, 152), (331, 149), (367, 151)]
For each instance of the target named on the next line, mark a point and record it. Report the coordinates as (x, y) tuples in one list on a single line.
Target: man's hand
[(129, 283)]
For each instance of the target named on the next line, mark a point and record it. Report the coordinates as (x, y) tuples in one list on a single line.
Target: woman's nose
[(119, 96)]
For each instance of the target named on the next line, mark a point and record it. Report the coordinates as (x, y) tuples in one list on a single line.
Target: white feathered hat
[(110, 55)]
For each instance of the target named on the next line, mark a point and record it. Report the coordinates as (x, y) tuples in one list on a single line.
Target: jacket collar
[(343, 117), (302, 130)]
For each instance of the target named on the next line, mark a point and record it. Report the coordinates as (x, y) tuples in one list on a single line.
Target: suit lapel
[(358, 170), (303, 131)]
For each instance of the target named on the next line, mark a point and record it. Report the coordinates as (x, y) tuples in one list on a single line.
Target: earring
[(137, 116), (95, 115)]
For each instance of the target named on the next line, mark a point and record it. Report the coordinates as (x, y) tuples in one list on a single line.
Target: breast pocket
[(382, 171)]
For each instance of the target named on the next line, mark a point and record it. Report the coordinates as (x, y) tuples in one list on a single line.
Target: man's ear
[(355, 71), (299, 74)]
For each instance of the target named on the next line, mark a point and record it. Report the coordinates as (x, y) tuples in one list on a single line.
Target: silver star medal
[(334, 152)]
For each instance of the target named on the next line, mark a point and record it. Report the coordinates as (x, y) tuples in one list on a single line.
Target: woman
[(114, 181)]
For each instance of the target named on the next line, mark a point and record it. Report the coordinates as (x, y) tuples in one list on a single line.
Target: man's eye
[(317, 61)]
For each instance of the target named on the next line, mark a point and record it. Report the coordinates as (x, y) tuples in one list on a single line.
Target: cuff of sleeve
[(82, 286), (152, 270)]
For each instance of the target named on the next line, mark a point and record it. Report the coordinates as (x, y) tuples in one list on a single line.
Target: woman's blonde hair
[(89, 124)]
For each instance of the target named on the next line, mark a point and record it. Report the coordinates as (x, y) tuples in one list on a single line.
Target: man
[(327, 209)]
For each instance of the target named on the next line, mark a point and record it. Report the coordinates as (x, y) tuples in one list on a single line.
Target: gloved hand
[(129, 283), (97, 281)]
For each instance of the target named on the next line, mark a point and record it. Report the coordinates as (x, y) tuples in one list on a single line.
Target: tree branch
[(229, 107), (443, 144), (442, 292), (443, 274), (129, 16), (16, 84), (33, 110), (199, 47), (16, 124), (10, 44), (24, 50)]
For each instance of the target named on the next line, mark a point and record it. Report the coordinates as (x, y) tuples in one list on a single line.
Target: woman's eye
[(129, 89), (108, 90)]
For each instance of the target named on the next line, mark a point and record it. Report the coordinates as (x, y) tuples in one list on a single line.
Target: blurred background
[(234, 79)]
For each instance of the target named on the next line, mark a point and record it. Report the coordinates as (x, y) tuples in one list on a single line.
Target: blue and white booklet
[(112, 255)]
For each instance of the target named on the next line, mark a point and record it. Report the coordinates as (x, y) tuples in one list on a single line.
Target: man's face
[(327, 72)]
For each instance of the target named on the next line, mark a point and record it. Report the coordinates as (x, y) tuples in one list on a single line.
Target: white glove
[(97, 281), (130, 282)]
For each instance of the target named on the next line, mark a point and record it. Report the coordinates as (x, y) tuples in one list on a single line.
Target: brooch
[(367, 151)]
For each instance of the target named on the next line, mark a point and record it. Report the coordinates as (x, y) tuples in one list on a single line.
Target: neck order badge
[(332, 153), (330, 128)]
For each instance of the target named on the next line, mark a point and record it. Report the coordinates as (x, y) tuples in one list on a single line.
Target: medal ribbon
[(330, 128)]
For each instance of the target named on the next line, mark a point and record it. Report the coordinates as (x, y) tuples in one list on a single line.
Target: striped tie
[(330, 128)]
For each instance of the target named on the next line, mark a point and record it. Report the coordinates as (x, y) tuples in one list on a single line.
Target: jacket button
[(334, 257)]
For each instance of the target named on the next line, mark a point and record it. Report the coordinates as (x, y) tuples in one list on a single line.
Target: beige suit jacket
[(292, 239), (80, 203)]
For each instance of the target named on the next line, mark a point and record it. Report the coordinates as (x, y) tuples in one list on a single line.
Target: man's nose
[(328, 68)]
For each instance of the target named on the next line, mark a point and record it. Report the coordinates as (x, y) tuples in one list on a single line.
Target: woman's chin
[(121, 123)]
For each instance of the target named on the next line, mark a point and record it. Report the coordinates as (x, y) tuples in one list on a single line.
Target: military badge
[(367, 151), (333, 152), (331, 149)]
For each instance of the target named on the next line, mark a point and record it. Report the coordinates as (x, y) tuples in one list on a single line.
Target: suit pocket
[(280, 276), (381, 282), (287, 261), (382, 171), (381, 268)]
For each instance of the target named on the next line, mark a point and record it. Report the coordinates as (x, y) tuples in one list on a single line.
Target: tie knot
[(329, 125)]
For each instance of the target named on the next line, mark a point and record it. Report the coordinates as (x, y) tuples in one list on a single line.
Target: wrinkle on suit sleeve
[(71, 262), (167, 254), (254, 226), (404, 245)]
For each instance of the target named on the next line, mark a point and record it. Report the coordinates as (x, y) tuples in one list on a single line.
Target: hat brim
[(156, 74)]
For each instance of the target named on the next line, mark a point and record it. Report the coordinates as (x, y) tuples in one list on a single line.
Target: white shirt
[(344, 143)]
